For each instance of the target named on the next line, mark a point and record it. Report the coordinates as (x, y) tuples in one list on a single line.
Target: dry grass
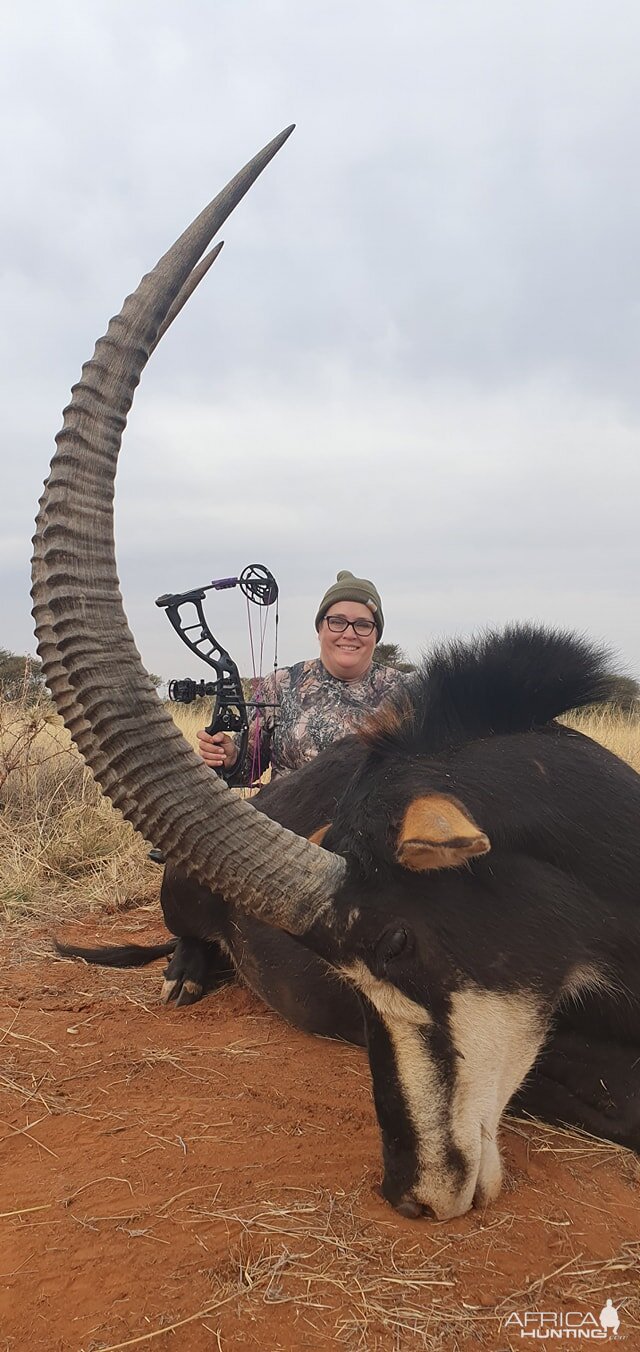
[(617, 729), (573, 1145), (62, 844)]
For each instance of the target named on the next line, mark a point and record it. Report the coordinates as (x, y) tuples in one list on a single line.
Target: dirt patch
[(205, 1178)]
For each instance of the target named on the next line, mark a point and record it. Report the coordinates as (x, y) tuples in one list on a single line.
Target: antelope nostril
[(414, 1210), (409, 1208)]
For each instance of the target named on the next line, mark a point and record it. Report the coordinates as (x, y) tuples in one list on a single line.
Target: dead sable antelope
[(468, 965), (473, 911)]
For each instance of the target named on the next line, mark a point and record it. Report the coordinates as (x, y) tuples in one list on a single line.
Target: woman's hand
[(217, 750)]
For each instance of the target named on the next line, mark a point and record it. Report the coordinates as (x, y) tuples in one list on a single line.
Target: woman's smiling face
[(347, 655)]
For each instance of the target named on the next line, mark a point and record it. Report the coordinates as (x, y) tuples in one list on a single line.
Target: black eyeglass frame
[(343, 624)]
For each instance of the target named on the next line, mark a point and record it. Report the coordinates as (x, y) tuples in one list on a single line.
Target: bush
[(20, 678)]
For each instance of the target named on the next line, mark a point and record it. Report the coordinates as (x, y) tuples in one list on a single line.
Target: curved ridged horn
[(89, 657), (65, 699)]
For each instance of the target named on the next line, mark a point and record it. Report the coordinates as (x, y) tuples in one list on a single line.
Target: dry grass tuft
[(62, 844), (617, 729), (573, 1146), (572, 1143)]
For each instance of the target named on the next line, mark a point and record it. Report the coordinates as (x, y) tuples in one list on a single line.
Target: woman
[(318, 701)]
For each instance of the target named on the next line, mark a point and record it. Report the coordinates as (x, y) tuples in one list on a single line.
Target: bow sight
[(229, 712)]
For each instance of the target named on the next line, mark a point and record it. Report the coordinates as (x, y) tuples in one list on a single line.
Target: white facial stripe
[(426, 1103), (387, 999), (499, 1037), (422, 1090)]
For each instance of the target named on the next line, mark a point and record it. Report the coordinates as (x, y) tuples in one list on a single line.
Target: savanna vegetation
[(63, 848)]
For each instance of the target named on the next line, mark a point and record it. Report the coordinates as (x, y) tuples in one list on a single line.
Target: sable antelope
[(476, 888)]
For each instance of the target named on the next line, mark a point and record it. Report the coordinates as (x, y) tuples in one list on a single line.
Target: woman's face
[(348, 655)]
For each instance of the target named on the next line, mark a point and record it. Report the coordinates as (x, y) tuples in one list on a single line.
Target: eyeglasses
[(338, 624)]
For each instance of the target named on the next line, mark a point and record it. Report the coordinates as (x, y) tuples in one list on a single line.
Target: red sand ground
[(211, 1169)]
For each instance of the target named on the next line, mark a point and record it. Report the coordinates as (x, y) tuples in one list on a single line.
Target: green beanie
[(350, 588)]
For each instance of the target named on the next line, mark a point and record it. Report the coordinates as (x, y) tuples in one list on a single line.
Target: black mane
[(508, 682)]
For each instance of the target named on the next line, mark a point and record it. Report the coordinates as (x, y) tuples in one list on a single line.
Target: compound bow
[(230, 709)]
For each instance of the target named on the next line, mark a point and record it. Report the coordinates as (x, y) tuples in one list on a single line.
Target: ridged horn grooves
[(56, 675), (90, 661)]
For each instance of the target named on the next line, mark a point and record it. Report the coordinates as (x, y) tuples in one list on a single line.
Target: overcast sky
[(418, 354)]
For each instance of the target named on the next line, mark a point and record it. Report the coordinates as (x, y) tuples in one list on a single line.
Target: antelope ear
[(318, 836), (437, 832)]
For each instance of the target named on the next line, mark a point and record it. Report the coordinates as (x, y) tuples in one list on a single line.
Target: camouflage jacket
[(313, 710)]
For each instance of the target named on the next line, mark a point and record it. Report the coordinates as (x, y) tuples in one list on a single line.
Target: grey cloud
[(418, 352)]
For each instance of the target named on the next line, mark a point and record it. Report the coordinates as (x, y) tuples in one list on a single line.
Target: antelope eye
[(392, 944)]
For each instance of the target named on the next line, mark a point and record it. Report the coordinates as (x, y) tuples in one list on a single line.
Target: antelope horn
[(90, 661), (193, 280), (65, 698)]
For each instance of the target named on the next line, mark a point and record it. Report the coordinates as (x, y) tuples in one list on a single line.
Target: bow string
[(230, 712)]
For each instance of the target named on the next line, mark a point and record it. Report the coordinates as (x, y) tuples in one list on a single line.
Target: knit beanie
[(350, 588)]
